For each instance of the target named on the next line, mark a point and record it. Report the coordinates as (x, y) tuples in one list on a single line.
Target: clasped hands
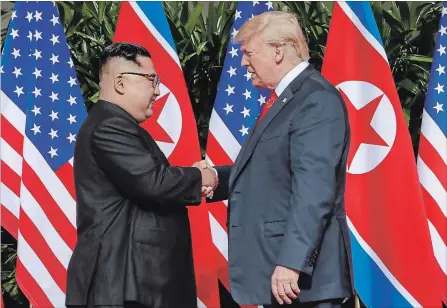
[(209, 178)]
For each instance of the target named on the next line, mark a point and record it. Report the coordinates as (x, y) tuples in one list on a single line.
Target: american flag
[(42, 109), (236, 109), (432, 160)]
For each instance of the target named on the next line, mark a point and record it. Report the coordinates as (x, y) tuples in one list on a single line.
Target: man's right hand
[(207, 190), (209, 178)]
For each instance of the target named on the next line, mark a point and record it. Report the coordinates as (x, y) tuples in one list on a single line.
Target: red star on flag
[(153, 127), (360, 122)]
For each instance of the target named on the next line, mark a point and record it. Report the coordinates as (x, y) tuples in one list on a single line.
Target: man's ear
[(279, 53), (119, 84)]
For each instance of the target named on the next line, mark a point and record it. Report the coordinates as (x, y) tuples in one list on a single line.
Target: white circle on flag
[(170, 119), (369, 156)]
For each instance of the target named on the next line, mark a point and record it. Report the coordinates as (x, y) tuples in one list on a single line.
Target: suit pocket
[(154, 236), (274, 228)]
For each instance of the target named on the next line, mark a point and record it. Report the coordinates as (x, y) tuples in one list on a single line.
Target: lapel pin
[(284, 100)]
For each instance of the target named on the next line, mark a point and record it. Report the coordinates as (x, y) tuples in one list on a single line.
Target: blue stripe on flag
[(363, 11), (156, 14), (370, 281)]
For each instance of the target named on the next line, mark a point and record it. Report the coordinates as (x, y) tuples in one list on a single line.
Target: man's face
[(259, 58), (142, 91)]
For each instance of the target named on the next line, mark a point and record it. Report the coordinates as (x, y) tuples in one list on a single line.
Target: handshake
[(210, 179)]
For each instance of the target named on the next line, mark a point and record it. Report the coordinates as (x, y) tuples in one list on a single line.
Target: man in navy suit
[(288, 235)]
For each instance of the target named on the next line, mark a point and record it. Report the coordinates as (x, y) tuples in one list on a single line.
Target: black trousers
[(330, 303), (126, 304)]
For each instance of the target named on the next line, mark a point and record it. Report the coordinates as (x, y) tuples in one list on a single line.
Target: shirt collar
[(289, 77)]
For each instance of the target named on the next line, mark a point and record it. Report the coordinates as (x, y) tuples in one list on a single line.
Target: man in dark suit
[(287, 229), (134, 241)]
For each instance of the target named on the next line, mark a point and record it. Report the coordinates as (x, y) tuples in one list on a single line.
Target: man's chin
[(256, 84)]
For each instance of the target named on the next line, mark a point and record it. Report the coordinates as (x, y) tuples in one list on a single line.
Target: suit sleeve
[(317, 138), (222, 191), (121, 155)]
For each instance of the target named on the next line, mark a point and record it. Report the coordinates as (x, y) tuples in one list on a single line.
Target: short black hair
[(128, 51)]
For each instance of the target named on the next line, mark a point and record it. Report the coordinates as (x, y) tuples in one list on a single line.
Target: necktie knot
[(273, 96)]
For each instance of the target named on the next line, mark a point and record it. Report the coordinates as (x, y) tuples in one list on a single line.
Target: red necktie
[(273, 97)]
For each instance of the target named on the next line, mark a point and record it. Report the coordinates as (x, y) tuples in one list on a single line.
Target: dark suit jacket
[(286, 196), (134, 239)]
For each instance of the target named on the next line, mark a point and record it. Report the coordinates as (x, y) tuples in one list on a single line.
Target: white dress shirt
[(289, 77)]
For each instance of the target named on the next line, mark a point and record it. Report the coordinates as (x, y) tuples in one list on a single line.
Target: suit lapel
[(257, 131)]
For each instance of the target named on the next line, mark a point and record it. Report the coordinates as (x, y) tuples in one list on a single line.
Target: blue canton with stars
[(238, 103), (436, 93), (38, 76)]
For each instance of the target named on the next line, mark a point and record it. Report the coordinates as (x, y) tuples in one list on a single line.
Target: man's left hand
[(285, 284)]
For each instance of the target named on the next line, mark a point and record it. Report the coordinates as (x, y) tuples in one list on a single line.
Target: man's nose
[(244, 61)]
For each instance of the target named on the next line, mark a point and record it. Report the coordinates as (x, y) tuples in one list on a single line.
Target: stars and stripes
[(236, 109), (432, 158), (42, 109)]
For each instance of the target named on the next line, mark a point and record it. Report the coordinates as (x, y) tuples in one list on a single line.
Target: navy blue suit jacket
[(286, 196)]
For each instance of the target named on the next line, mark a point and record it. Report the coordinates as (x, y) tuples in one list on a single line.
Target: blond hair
[(276, 28)]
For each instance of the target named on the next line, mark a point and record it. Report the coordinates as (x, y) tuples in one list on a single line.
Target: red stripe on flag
[(443, 278), (207, 287), (9, 221), (433, 160), (10, 178), (30, 287), (54, 213), (435, 215), (40, 247), (219, 211), (216, 153), (11, 135), (222, 268), (65, 174)]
